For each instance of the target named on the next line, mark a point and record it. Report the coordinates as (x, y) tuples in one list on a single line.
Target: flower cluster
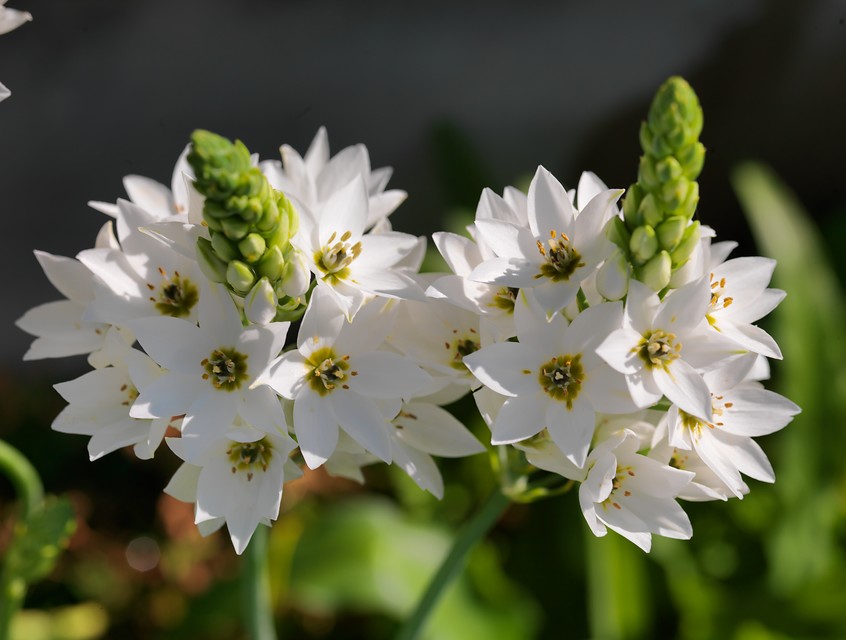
[(263, 316)]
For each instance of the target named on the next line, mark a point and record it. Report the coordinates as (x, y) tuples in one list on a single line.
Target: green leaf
[(367, 556), (810, 329), (39, 539)]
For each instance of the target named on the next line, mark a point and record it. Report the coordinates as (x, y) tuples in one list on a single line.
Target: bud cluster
[(250, 223), (657, 233)]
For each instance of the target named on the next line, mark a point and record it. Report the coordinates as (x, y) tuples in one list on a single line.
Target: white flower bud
[(260, 303), (612, 279)]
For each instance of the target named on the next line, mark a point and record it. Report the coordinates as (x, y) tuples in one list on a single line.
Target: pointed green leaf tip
[(250, 223), (666, 193)]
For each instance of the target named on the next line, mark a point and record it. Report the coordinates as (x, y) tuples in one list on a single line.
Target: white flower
[(335, 376), (553, 378), (350, 263), (143, 278), (739, 297), (237, 479), (632, 494), (209, 370), (556, 252), (99, 404), (706, 485), (422, 429), (725, 442), (662, 344), (59, 326), (437, 335), (312, 180), (11, 19)]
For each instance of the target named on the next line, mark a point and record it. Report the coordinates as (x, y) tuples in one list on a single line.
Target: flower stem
[(258, 611), (28, 486), (467, 538)]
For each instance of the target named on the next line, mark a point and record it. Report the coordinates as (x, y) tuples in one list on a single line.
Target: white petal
[(345, 210), (571, 429), (549, 206), (169, 395), (69, 276), (684, 387), (419, 467), (434, 430), (360, 418), (619, 350), (316, 427), (380, 374), (520, 418), (506, 367)]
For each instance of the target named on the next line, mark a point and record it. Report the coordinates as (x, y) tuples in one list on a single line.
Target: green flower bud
[(670, 232), (234, 228), (224, 249), (252, 247), (650, 211), (656, 273), (617, 233), (212, 267), (272, 264), (668, 169), (687, 245), (631, 205), (240, 277), (692, 157), (643, 244), (249, 222)]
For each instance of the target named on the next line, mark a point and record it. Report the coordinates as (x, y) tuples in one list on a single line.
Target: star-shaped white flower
[(335, 376), (312, 180), (663, 345), (209, 370), (557, 252), (348, 262), (553, 378), (237, 479), (632, 494)]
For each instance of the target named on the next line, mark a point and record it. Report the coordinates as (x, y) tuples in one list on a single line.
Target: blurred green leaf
[(809, 326), (366, 556), (620, 597), (39, 539), (85, 621)]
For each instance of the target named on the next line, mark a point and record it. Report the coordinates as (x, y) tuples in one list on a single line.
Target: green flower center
[(250, 457), (225, 368), (328, 370), (562, 378), (561, 257), (461, 347), (659, 349), (504, 299), (334, 259), (176, 296)]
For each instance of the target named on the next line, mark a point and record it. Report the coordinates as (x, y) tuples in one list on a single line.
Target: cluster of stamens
[(329, 370), (334, 259), (250, 456), (176, 296), (617, 487), (131, 394), (695, 425), (659, 349), (461, 347), (504, 298), (562, 377), (225, 368), (562, 259), (717, 290)]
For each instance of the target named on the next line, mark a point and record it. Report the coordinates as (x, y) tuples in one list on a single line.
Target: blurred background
[(455, 97)]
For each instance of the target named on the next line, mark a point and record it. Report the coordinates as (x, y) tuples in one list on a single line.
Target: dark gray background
[(103, 88)]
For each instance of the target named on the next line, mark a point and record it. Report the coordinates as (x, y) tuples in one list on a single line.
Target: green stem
[(467, 538), (24, 477), (258, 611), (31, 493)]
